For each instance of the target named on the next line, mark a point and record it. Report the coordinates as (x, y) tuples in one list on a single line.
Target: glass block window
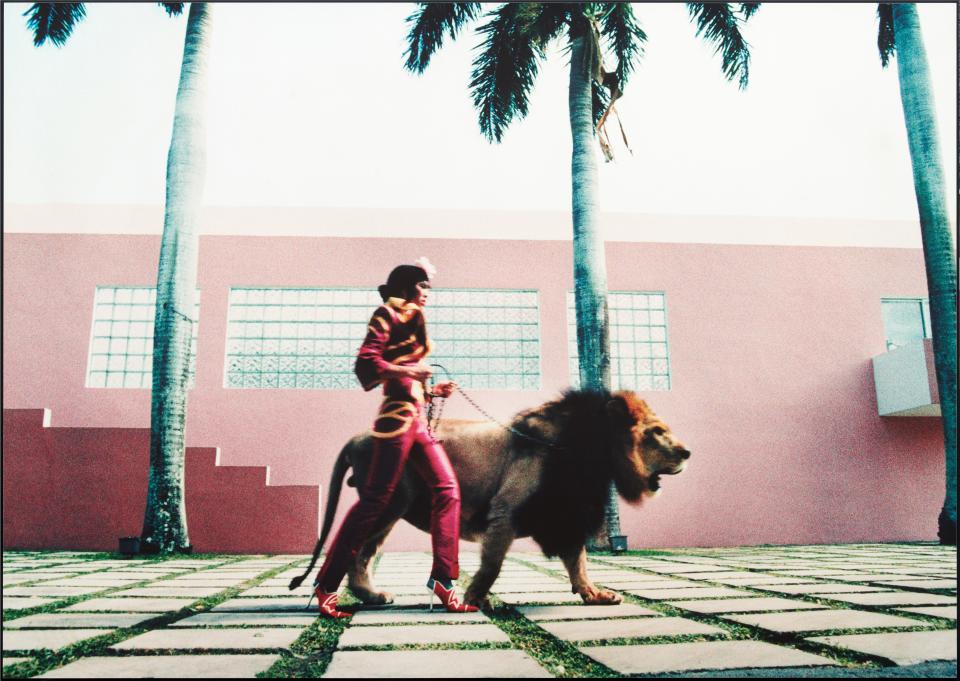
[(309, 337), (121, 343), (486, 338), (905, 320), (639, 356)]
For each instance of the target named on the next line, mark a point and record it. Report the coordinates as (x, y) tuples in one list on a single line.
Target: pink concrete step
[(83, 488)]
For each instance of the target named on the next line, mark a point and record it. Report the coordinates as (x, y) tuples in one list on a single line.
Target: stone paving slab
[(165, 666), (541, 597), (546, 585), (193, 592), (680, 568), (279, 581), (596, 630), (130, 605), (822, 588), (820, 620), (946, 611), (305, 590), (717, 575), (355, 637), (924, 583), (623, 584), (236, 575), (303, 618), (102, 581), (22, 603), (54, 639), (43, 590), (891, 598), (14, 579), (427, 664), (196, 582), (811, 572), (688, 657), (902, 648), (397, 591), (413, 616), (763, 580), (744, 605), (265, 605), (7, 661), (539, 613), (212, 639), (77, 620), (692, 592), (866, 577), (413, 600)]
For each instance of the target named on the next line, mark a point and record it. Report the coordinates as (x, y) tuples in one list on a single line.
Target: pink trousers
[(390, 456)]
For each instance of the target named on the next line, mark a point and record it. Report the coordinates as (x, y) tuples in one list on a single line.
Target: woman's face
[(420, 293)]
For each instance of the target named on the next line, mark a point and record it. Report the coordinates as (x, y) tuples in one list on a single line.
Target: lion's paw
[(482, 602), (375, 597), (594, 596)]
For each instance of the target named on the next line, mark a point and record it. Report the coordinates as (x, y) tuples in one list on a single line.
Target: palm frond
[(505, 69), (624, 36), (173, 8), (720, 25), (885, 33), (544, 21), (748, 9), (601, 100), (53, 20), (428, 26)]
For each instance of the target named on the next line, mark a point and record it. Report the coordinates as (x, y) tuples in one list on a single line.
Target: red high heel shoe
[(448, 597), (327, 603)]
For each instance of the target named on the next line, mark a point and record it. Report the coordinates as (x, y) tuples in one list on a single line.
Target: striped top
[(397, 334)]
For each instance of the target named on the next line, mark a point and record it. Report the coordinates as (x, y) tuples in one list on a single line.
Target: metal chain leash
[(482, 411), (433, 421)]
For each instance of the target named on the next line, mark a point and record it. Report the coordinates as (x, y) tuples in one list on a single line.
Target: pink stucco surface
[(84, 488), (770, 348)]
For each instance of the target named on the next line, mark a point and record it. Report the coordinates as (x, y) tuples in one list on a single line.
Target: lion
[(546, 478)]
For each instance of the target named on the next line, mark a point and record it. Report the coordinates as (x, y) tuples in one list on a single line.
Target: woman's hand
[(444, 389), (418, 372)]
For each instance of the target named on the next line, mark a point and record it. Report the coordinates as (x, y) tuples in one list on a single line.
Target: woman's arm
[(371, 368)]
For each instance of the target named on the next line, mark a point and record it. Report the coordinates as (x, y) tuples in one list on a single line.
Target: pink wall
[(84, 488), (770, 351)]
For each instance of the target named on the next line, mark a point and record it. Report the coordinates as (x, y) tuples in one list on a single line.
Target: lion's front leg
[(576, 564), (496, 542)]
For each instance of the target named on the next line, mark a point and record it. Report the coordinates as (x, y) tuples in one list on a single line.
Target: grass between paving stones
[(560, 658), (740, 632), (46, 660), (67, 601), (798, 640), (310, 655)]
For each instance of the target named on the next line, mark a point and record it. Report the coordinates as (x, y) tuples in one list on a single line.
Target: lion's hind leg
[(358, 575), (576, 564)]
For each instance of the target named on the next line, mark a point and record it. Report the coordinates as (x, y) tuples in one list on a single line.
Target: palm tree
[(165, 520), (515, 38), (900, 35)]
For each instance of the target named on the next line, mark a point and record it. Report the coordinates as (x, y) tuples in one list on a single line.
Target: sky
[(309, 105)]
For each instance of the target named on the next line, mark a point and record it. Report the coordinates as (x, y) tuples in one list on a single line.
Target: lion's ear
[(619, 412)]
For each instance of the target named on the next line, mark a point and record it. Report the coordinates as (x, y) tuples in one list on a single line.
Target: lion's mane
[(568, 504)]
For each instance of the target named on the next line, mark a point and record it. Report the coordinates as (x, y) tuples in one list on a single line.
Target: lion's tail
[(333, 497)]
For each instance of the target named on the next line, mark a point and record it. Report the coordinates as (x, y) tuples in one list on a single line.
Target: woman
[(391, 356)]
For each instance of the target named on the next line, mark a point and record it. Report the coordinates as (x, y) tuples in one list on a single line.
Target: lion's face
[(651, 449)]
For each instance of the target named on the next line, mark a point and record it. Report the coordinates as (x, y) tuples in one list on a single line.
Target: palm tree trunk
[(589, 261), (938, 248), (165, 519)]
